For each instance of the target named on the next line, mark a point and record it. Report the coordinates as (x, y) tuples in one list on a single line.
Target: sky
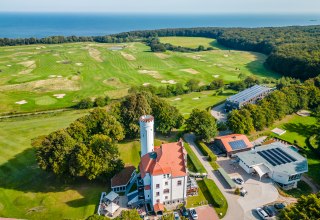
[(163, 6)]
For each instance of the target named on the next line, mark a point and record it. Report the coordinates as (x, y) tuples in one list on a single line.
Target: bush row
[(193, 158), (206, 151), (218, 198)]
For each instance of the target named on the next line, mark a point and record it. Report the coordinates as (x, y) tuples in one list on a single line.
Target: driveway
[(259, 192), (219, 113), (206, 212)]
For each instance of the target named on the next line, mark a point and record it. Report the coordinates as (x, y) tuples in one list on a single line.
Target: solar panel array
[(248, 94), (236, 145), (276, 156)]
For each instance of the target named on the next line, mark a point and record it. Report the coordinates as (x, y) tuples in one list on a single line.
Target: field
[(201, 100), (192, 42), (43, 77)]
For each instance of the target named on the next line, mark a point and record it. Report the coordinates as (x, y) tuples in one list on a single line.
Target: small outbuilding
[(121, 180), (233, 143)]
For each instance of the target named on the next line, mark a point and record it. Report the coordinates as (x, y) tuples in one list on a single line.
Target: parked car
[(279, 205), (176, 216), (238, 180), (184, 212), (262, 213), (193, 213), (269, 211)]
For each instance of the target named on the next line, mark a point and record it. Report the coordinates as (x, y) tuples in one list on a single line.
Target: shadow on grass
[(259, 69), (300, 128), (21, 173)]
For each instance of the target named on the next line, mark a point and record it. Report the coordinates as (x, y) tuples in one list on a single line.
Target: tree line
[(87, 148), (278, 104), (292, 51)]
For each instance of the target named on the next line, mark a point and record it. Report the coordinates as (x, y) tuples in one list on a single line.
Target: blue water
[(16, 25)]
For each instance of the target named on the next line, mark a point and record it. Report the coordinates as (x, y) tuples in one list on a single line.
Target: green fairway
[(201, 100), (191, 42), (34, 77)]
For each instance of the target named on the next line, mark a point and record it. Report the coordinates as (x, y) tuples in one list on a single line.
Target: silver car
[(262, 213)]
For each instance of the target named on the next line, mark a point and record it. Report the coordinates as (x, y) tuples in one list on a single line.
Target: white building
[(281, 163), (163, 169)]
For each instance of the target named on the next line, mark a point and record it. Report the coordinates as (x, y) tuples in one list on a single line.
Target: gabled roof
[(122, 178), (166, 159), (227, 141), (248, 94)]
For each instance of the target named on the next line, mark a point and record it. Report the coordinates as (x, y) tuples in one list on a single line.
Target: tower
[(146, 134)]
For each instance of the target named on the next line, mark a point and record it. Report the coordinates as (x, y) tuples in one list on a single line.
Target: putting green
[(45, 100)]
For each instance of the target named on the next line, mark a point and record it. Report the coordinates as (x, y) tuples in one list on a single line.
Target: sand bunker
[(168, 81), (192, 71), (95, 54), (30, 65), (64, 61), (46, 85), (113, 81), (153, 73), (9, 65), (22, 102), (226, 55), (196, 57), (127, 56), (59, 96), (79, 64), (195, 98), (176, 99), (162, 55), (146, 84), (215, 76), (115, 48)]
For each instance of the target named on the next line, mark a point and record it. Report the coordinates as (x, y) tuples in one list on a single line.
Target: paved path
[(310, 182), (235, 210), (219, 113)]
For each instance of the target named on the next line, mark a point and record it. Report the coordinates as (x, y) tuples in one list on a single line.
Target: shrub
[(218, 198), (85, 103)]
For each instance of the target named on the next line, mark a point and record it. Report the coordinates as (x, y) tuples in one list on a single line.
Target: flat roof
[(248, 94), (277, 157)]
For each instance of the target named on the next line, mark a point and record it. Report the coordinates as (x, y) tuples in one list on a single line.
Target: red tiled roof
[(158, 207), (166, 159), (233, 137), (123, 177)]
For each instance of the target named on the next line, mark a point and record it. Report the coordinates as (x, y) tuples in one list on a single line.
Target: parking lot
[(206, 212), (260, 192)]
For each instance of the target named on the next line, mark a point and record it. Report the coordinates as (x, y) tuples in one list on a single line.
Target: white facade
[(146, 134), (166, 189)]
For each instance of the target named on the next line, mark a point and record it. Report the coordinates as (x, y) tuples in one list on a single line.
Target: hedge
[(194, 159), (219, 201), (206, 151)]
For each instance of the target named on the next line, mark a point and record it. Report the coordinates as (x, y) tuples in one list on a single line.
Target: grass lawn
[(191, 42), (194, 159), (302, 189), (201, 100), (36, 73), (30, 193), (205, 197)]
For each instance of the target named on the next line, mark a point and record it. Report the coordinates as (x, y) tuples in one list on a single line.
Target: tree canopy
[(202, 124)]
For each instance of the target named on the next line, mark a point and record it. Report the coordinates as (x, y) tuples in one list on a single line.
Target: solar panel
[(276, 156), (236, 145)]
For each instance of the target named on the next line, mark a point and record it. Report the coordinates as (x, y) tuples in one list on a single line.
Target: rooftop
[(123, 177), (277, 157), (248, 94), (166, 159), (234, 142)]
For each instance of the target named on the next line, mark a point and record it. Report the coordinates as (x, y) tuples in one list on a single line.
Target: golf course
[(47, 77)]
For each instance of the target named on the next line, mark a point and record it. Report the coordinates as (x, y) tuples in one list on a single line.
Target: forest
[(292, 51)]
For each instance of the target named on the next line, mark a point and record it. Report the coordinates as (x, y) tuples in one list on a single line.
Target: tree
[(129, 215), (240, 121), (100, 102), (216, 84), (97, 217), (85, 103), (193, 85), (202, 124), (166, 116), (131, 109), (179, 89), (307, 207)]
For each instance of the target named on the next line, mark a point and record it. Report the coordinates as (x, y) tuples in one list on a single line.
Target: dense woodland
[(292, 51)]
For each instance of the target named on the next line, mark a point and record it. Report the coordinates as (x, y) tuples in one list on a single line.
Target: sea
[(23, 25)]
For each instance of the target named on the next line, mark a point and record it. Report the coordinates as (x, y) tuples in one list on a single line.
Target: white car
[(238, 180), (193, 213), (176, 216), (262, 213)]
